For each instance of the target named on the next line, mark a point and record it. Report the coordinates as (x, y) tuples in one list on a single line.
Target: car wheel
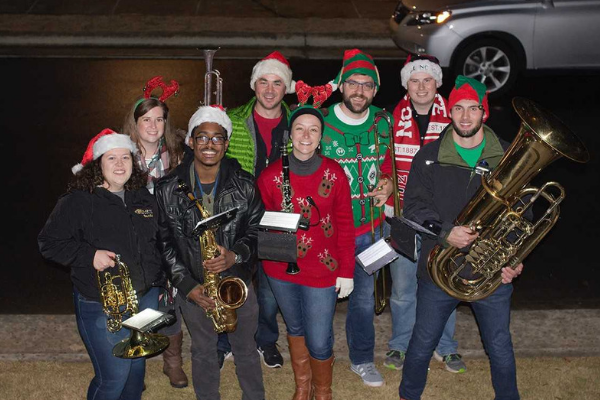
[(489, 61)]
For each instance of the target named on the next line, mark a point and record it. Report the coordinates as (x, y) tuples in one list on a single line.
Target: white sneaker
[(368, 373)]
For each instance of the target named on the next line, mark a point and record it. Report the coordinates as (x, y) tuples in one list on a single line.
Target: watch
[(238, 258)]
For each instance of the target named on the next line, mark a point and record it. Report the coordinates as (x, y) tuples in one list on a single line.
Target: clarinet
[(286, 202)]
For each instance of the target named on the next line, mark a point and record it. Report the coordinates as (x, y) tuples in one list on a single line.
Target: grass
[(539, 379)]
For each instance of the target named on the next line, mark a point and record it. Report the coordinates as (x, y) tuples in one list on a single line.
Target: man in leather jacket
[(221, 185)]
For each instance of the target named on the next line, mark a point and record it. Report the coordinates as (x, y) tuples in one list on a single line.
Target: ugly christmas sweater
[(326, 250)]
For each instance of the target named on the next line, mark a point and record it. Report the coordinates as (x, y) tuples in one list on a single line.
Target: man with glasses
[(442, 179), (256, 140), (349, 139), (220, 184), (419, 118)]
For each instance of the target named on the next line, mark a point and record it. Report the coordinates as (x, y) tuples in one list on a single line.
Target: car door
[(567, 34)]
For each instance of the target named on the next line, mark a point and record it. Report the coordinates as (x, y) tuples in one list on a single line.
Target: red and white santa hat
[(421, 63), (214, 114), (103, 142), (275, 63)]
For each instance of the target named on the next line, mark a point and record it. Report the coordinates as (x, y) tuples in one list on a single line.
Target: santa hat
[(469, 89), (356, 62), (275, 63), (101, 143), (421, 63), (214, 114)]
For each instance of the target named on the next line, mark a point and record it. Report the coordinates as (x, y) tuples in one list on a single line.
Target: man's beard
[(351, 107), (470, 132)]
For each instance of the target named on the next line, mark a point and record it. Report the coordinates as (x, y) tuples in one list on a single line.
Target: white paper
[(143, 319), (376, 256), (279, 220)]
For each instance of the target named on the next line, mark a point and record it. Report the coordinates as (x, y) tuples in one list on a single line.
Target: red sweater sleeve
[(344, 224)]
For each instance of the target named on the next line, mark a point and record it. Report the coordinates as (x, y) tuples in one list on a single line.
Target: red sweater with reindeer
[(326, 249)]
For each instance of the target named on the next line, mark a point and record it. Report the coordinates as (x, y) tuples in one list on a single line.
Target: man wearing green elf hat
[(441, 182), (349, 138)]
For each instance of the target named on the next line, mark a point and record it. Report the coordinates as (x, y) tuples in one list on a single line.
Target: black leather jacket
[(178, 216)]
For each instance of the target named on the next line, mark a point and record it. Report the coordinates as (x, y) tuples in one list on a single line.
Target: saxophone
[(228, 293)]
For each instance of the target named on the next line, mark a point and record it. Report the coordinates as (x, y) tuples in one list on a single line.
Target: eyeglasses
[(367, 86), (216, 140)]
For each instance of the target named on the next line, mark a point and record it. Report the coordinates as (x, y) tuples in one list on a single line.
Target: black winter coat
[(83, 222), (439, 191), (178, 216)]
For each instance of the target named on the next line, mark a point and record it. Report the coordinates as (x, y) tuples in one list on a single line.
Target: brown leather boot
[(322, 377), (172, 362), (301, 366)]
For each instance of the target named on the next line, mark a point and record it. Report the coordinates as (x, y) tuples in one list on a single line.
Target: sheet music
[(376, 256), (225, 215), (282, 221), (143, 319)]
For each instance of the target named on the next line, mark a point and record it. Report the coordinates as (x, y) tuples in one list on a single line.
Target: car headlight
[(429, 17)]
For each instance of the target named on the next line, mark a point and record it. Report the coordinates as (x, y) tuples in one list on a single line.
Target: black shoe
[(222, 355), (270, 355)]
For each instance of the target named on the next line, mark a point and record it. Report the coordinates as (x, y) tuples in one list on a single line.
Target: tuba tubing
[(497, 208)]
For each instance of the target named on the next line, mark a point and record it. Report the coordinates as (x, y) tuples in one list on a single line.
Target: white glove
[(344, 286)]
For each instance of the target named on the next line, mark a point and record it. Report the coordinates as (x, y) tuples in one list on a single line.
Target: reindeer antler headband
[(168, 90)]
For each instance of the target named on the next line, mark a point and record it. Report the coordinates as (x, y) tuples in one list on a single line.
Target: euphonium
[(229, 293), (118, 299), (496, 210), (380, 291)]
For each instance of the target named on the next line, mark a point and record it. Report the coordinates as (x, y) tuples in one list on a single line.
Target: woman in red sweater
[(321, 193)]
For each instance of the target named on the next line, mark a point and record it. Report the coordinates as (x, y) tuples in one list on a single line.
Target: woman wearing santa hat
[(107, 211)]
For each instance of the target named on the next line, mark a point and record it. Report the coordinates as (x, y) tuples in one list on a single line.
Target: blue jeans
[(115, 378), (403, 304), (308, 312), (268, 329), (360, 332), (493, 317)]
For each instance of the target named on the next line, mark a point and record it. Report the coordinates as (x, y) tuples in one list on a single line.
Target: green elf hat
[(469, 89), (356, 62)]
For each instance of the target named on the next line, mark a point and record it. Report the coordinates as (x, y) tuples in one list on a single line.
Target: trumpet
[(212, 77), (380, 283), (118, 299)]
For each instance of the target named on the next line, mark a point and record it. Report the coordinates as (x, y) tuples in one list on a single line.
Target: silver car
[(492, 41)]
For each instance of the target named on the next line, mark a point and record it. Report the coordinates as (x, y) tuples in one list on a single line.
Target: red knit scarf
[(407, 140)]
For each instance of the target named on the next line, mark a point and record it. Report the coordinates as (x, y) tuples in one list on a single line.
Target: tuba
[(496, 210), (380, 290), (228, 293), (118, 299)]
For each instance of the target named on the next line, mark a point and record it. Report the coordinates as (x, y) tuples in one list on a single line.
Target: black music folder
[(403, 236)]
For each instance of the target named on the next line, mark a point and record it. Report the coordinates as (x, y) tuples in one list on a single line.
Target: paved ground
[(154, 28), (536, 333)]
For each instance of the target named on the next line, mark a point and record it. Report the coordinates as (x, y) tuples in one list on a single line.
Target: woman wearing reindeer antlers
[(161, 150), (325, 251)]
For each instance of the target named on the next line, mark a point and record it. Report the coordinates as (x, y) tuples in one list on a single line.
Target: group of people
[(125, 198)]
